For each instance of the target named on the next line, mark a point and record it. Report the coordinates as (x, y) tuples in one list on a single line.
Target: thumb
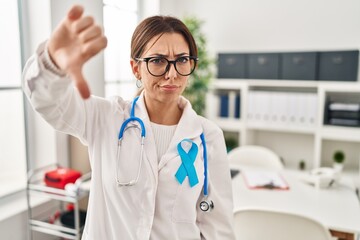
[(80, 83), (75, 12)]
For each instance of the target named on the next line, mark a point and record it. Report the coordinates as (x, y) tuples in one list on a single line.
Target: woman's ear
[(135, 68)]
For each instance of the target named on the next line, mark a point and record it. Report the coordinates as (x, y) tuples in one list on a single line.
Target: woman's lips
[(169, 87)]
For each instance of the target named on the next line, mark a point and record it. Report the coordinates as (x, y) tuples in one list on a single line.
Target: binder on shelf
[(312, 109), (237, 106), (279, 100), (345, 122), (345, 114), (265, 106), (232, 103), (262, 179), (291, 108), (257, 108), (342, 114), (250, 107), (337, 106), (224, 105), (301, 108)]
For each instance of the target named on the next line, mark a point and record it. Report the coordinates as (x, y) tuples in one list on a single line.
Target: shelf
[(282, 128), (55, 229), (238, 83), (331, 85), (282, 83), (228, 84), (229, 124), (36, 187), (350, 134), (293, 140), (343, 88)]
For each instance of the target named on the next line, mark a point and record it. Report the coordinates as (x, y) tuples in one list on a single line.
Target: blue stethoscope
[(205, 205)]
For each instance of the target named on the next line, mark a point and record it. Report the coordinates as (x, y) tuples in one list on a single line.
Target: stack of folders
[(343, 114), (277, 108), (260, 179), (229, 104)]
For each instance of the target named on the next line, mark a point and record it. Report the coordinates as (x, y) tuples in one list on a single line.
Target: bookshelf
[(294, 140)]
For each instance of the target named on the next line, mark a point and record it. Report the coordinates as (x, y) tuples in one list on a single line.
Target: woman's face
[(170, 86)]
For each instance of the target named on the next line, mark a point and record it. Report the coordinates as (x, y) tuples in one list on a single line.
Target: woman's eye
[(157, 60), (182, 60)]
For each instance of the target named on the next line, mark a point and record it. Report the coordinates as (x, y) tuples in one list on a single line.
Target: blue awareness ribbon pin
[(187, 166)]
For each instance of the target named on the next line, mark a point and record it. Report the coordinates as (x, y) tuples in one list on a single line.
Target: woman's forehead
[(167, 44)]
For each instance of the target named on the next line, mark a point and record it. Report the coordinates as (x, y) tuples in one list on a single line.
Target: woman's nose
[(171, 72)]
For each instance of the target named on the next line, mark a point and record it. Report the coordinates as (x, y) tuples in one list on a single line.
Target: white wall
[(44, 144), (94, 69), (276, 25), (262, 25)]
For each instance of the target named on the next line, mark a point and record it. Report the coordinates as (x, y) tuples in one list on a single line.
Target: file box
[(338, 66), (231, 65), (298, 66), (263, 66)]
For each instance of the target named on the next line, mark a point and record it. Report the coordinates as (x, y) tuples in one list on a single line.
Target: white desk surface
[(337, 207)]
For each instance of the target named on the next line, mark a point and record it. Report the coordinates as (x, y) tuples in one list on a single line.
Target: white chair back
[(255, 156), (253, 224)]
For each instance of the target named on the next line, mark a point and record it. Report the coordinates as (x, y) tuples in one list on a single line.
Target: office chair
[(255, 224), (255, 156)]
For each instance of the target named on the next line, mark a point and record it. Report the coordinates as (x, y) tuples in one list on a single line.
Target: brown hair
[(158, 25)]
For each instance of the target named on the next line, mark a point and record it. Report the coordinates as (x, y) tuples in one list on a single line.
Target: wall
[(44, 144), (261, 25), (277, 25)]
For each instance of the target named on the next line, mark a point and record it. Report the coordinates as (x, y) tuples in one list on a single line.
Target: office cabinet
[(289, 118)]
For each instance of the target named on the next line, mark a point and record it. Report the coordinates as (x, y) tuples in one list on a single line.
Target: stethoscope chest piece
[(206, 205)]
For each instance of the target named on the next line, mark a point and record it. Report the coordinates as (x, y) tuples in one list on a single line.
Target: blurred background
[(249, 108)]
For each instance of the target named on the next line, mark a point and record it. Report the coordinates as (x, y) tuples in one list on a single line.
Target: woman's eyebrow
[(181, 54), (165, 56)]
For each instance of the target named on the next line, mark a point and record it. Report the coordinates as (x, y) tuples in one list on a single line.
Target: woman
[(154, 192)]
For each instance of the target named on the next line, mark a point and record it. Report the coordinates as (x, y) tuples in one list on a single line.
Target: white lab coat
[(157, 207)]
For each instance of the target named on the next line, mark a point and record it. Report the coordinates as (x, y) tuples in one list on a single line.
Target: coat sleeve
[(54, 97), (217, 224)]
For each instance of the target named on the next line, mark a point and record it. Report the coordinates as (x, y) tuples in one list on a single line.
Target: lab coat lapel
[(188, 127)]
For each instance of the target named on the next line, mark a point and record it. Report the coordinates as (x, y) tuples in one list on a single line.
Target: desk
[(337, 207)]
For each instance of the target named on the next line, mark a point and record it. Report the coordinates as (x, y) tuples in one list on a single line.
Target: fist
[(76, 40)]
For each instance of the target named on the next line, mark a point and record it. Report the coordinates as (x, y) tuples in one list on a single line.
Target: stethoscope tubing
[(202, 137), (131, 182), (132, 118)]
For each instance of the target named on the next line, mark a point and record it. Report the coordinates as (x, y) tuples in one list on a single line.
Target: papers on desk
[(260, 179)]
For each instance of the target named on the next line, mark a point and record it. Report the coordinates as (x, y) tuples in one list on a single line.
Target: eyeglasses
[(158, 66)]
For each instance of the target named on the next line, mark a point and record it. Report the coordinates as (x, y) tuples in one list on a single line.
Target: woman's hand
[(75, 40)]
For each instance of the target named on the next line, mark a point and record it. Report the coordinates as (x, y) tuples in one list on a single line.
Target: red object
[(70, 207), (59, 177), (53, 218)]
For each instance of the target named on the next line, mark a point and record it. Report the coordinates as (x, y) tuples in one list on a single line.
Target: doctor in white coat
[(152, 192)]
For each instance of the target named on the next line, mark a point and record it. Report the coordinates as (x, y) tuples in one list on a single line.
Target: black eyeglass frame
[(147, 59)]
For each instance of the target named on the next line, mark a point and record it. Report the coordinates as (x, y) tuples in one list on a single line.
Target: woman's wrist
[(49, 63)]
